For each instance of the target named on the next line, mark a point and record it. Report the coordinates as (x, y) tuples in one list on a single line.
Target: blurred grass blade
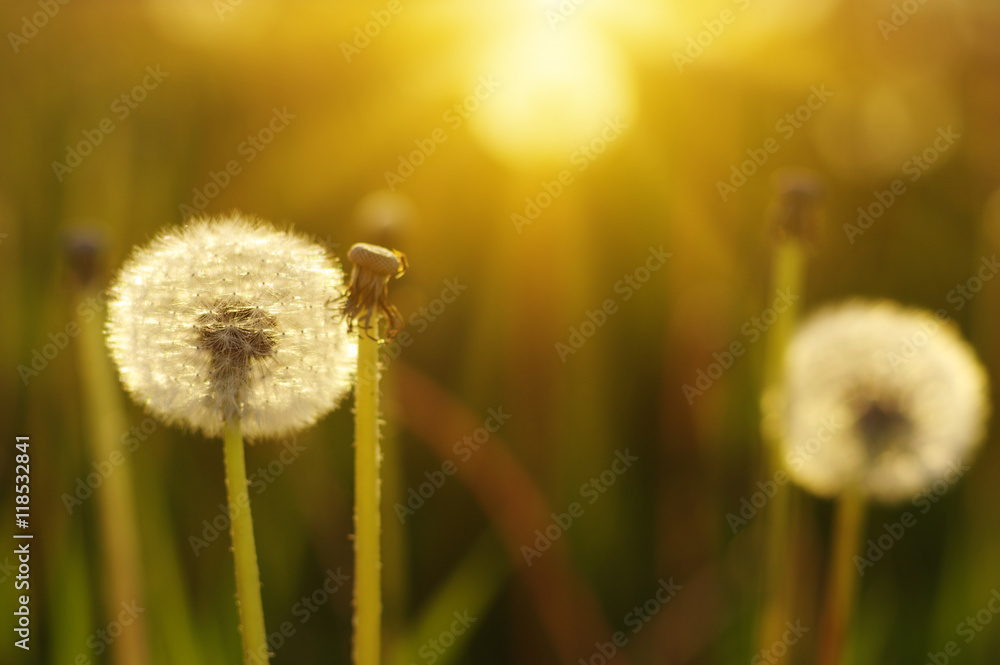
[(472, 588)]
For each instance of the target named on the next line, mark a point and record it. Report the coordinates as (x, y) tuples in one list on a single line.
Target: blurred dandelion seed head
[(226, 319), (907, 394)]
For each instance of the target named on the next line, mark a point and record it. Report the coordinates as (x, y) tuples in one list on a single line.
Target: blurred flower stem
[(115, 498), (776, 606), (841, 578), (248, 597), (367, 518), (788, 273)]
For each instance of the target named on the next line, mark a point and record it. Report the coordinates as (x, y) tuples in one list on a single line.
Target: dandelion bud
[(228, 319), (880, 399), (795, 210), (84, 252)]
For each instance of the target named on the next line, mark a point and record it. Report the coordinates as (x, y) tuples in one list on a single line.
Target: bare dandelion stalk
[(106, 421), (793, 217), (367, 514), (367, 298), (225, 326)]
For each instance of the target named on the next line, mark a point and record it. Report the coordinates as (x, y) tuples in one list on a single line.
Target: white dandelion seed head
[(229, 318), (879, 399)]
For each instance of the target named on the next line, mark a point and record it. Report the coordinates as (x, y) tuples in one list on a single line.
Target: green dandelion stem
[(367, 516), (248, 597), (842, 578), (787, 276)]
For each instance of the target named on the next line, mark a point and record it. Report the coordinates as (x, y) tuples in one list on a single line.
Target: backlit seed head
[(880, 399), (229, 319), (368, 292)]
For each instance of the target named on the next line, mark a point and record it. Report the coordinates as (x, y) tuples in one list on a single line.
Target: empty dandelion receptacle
[(229, 327), (878, 402), (365, 303), (368, 292)]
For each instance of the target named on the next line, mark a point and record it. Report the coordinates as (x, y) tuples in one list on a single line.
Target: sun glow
[(558, 88)]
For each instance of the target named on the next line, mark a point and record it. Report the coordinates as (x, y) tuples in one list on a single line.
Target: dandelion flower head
[(229, 319), (880, 399)]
